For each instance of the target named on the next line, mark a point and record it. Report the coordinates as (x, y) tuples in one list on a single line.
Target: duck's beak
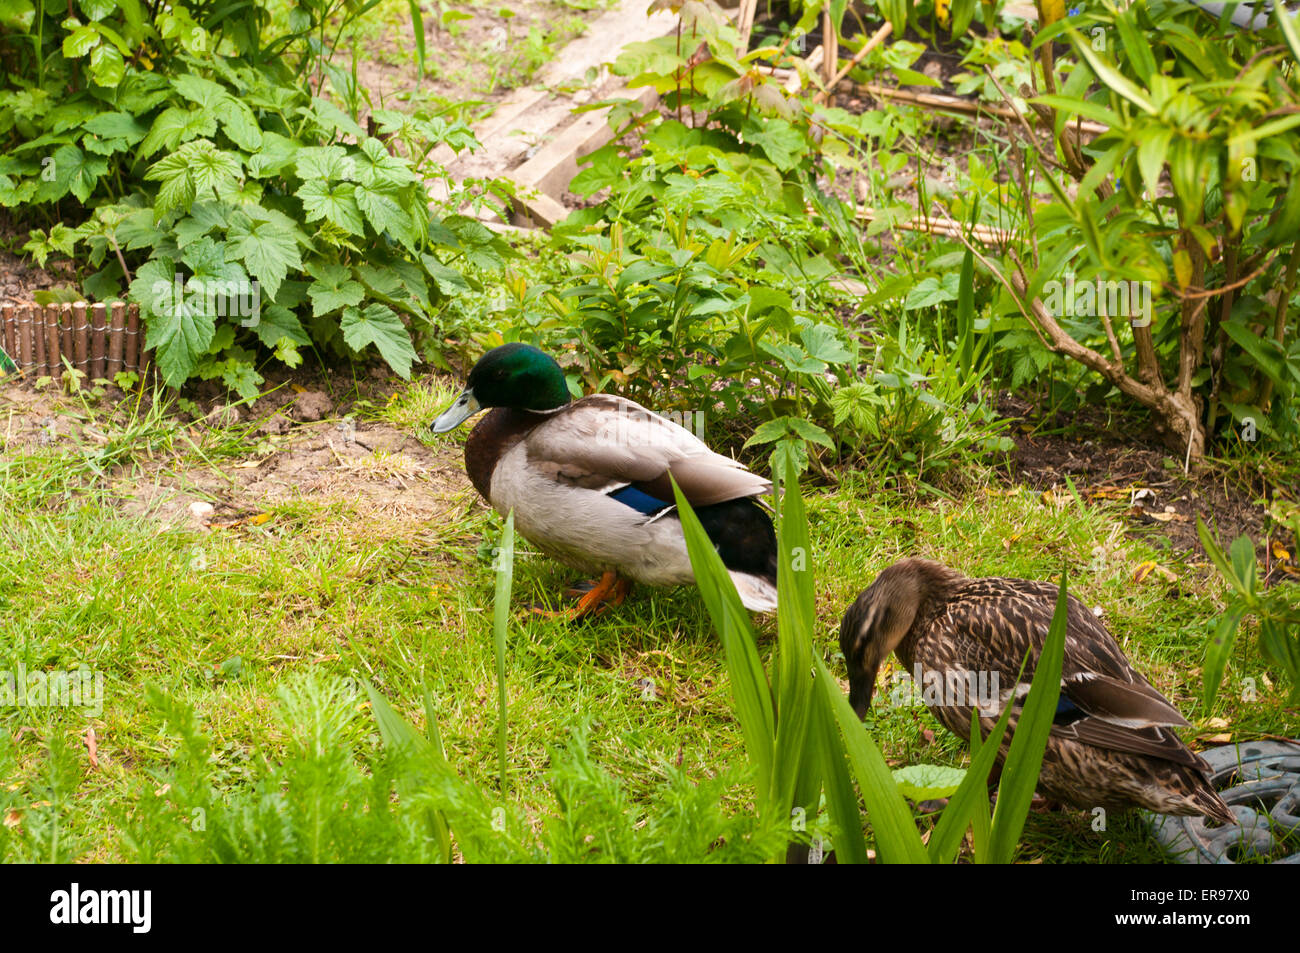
[(464, 407)]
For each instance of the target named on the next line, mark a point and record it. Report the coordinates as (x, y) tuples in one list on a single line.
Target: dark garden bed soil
[(1134, 473)]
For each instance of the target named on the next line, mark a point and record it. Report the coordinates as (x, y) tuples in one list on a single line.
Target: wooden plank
[(603, 38), (745, 22), (790, 78), (831, 46), (553, 167), (38, 339), (537, 209)]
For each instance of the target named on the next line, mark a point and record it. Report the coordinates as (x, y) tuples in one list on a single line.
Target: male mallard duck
[(589, 481), (1110, 745)]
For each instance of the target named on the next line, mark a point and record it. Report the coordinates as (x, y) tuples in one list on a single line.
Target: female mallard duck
[(589, 481), (1110, 745)]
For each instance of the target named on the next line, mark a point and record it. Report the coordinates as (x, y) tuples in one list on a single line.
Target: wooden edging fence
[(98, 339)]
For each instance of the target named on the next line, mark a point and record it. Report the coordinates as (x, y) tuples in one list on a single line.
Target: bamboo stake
[(116, 339), (876, 39), (38, 339), (25, 340), (80, 337), (745, 22), (98, 330), (133, 338), (66, 333), (53, 351), (7, 333), (831, 43), (966, 107), (985, 234)]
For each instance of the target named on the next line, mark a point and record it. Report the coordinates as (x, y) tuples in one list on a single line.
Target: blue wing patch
[(1067, 712), (641, 502)]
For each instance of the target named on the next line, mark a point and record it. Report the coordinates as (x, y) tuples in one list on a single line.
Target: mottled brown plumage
[(1111, 745)]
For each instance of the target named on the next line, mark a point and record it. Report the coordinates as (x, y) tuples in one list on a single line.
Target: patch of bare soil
[(380, 472), (20, 277), (302, 442), (1161, 500)]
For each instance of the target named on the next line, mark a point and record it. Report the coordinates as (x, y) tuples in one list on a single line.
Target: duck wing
[(1105, 702), (605, 443)]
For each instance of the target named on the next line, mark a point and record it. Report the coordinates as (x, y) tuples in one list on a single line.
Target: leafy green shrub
[(205, 178), (1276, 608), (1190, 200)]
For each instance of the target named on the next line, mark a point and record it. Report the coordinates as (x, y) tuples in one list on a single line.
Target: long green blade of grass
[(400, 737), (749, 685), (417, 27), (966, 316), (1217, 652), (500, 618), (841, 798), (897, 840), (798, 779), (971, 799), (1025, 757)]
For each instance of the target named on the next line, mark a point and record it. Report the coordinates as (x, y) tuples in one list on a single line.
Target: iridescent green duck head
[(515, 375)]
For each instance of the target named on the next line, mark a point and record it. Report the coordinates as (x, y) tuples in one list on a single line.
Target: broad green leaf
[(926, 782), (177, 333), (380, 326), (335, 202), (333, 289), (278, 323), (267, 248), (80, 41), (176, 125), (106, 65), (73, 171), (810, 431), (1110, 76), (385, 215), (204, 93), (325, 162), (379, 171), (823, 343), (932, 291)]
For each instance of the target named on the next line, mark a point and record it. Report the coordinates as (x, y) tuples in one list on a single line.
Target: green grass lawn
[(266, 628)]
